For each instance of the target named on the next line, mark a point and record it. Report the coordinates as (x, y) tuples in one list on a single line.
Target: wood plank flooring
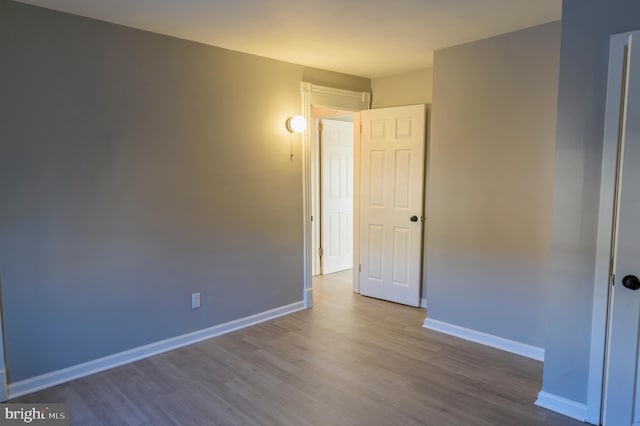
[(350, 360)]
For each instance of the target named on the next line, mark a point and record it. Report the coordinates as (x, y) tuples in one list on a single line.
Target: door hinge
[(612, 279), (360, 268), (360, 127), (320, 252), (311, 218), (320, 126)]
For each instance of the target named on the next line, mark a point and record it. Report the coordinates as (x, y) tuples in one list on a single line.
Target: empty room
[(365, 212)]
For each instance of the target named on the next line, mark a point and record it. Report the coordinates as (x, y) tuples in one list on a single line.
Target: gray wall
[(408, 88), (136, 169), (490, 182), (586, 27)]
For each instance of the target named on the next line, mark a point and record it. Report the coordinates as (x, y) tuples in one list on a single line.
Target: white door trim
[(328, 97), (316, 265), (3, 371), (608, 178)]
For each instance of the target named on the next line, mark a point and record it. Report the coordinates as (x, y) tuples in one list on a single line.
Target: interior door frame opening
[(332, 98)]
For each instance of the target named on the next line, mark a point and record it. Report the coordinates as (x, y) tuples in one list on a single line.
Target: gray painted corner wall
[(586, 28), (136, 169), (490, 183), (407, 88)]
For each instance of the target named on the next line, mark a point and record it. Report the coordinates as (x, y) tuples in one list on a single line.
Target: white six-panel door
[(391, 203), (337, 195), (622, 384)]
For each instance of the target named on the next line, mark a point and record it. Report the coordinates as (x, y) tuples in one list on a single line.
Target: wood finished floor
[(351, 360)]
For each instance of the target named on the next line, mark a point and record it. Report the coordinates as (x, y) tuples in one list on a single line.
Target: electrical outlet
[(195, 300)]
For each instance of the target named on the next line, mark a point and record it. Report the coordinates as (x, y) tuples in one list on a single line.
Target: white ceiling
[(368, 38)]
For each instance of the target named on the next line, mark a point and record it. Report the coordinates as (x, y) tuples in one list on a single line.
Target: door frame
[(608, 184), (4, 388), (347, 100)]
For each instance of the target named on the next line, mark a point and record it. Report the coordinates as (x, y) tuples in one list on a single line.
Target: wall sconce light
[(296, 124)]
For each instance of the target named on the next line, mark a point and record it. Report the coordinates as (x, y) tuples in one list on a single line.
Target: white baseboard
[(561, 405), (53, 378), (3, 384), (423, 302), (512, 346), (308, 298)]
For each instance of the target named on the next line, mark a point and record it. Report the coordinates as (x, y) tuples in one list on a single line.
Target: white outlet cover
[(195, 300)]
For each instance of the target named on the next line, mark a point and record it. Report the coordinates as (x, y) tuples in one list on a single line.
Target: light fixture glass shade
[(296, 124)]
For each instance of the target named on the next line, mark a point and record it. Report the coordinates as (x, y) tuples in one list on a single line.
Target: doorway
[(314, 96), (394, 140)]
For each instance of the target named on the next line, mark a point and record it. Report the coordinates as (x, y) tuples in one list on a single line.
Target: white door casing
[(315, 195), (622, 384), (337, 195), (391, 203), (4, 394)]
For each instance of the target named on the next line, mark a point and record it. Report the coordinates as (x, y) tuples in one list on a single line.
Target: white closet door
[(337, 195)]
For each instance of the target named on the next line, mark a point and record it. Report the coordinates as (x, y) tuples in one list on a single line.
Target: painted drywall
[(408, 88), (586, 27), (136, 169), (490, 183)]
